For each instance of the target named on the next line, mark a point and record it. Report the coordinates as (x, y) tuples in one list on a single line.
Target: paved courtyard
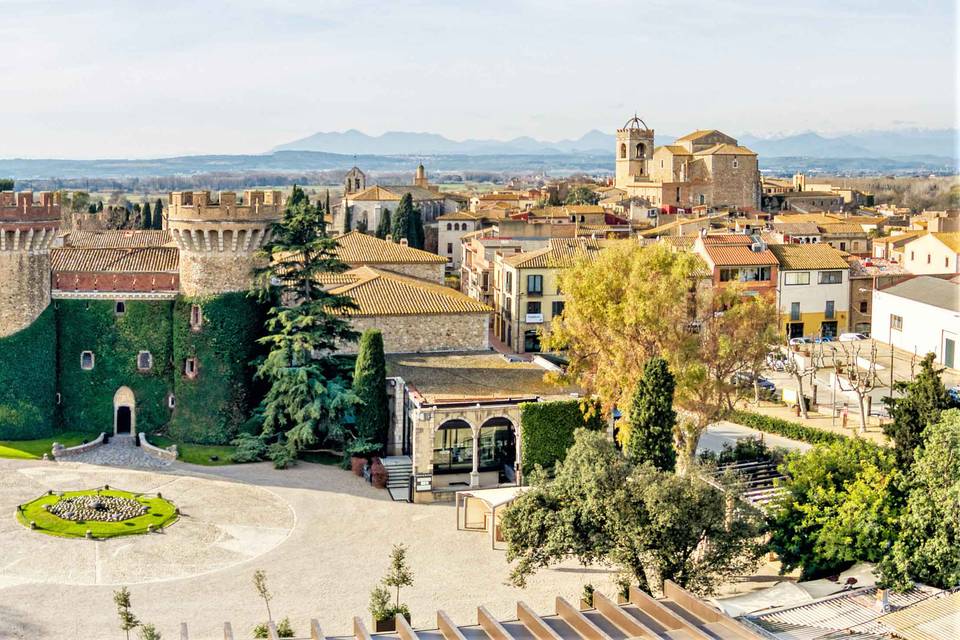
[(322, 535)]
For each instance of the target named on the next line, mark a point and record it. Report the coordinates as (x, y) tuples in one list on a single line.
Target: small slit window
[(196, 317), (86, 360), (190, 367), (171, 401), (144, 361), (120, 307)]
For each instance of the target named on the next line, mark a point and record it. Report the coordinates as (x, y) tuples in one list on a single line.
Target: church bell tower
[(634, 151)]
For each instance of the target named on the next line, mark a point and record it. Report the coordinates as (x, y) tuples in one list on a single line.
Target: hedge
[(115, 340), (212, 406), (28, 380), (786, 428), (547, 430)]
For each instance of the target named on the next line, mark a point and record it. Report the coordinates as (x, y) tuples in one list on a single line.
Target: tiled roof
[(726, 150), (797, 228), (723, 255), (899, 238), (655, 231), (561, 253), (359, 248), (936, 292), (696, 135), (380, 293), (952, 240), (417, 193), (676, 149), (842, 227), (123, 238), (808, 256), (459, 215), (146, 260), (374, 193), (933, 619), (727, 238)]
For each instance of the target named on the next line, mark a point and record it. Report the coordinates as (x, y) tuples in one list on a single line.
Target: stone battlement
[(197, 206), (22, 207)]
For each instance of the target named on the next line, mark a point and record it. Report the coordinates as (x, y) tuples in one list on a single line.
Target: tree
[(146, 222), (798, 369), (417, 236), (306, 395), (6, 184), (370, 386), (582, 195), (629, 303), (157, 214), (408, 223), (399, 574), (836, 508), (260, 584), (928, 547), (924, 399), (651, 419), (383, 226), (652, 526), (128, 621), (854, 378), (149, 632)]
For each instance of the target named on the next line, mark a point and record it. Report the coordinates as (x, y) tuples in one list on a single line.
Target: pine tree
[(307, 396), (158, 214), (923, 400), (146, 222), (652, 417), (402, 218), (383, 227), (370, 385)]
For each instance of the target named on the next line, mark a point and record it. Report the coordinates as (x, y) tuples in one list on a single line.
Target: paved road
[(724, 432)]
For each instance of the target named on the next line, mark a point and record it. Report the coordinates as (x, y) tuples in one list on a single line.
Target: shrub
[(281, 455), (249, 448), (785, 428), (547, 429), (587, 594), (284, 630)]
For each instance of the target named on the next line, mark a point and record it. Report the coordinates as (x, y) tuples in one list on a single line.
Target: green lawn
[(161, 513), (197, 453), (34, 449)]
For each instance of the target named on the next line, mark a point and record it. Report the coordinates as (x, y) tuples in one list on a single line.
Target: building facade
[(813, 290)]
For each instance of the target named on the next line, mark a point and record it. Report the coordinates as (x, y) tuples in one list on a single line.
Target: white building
[(933, 253), (451, 227), (920, 315)]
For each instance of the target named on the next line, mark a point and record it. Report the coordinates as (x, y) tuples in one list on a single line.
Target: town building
[(451, 228), (741, 259), (813, 290), (866, 275), (480, 250), (931, 253), (891, 247), (358, 249), (704, 168), (920, 315)]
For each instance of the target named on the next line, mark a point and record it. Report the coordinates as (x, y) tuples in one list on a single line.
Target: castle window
[(196, 317), (623, 151), (639, 149), (190, 367), (736, 163), (863, 306), (449, 226), (144, 361), (171, 401), (120, 307), (86, 360)]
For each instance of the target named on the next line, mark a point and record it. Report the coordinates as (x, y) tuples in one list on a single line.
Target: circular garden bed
[(97, 513)]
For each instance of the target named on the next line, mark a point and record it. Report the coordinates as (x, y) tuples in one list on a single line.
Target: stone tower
[(27, 231), (420, 177), (355, 181), (219, 241), (634, 152)]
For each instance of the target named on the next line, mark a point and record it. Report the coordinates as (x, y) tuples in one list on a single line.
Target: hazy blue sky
[(108, 79)]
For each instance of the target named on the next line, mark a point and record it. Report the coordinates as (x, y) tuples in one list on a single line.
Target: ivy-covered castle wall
[(212, 405), (28, 384), (115, 340)]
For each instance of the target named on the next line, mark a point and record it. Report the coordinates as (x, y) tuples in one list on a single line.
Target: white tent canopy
[(489, 501)]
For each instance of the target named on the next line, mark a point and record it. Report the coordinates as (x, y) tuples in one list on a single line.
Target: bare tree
[(794, 365), (854, 378)]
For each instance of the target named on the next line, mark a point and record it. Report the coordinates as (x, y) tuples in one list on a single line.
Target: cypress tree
[(146, 221), (157, 214), (370, 386), (652, 417), (383, 227), (402, 218), (416, 237)]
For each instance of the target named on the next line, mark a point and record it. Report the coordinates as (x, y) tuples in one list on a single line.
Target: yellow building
[(813, 290)]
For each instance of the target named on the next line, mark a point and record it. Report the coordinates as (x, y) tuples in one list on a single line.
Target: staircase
[(399, 470)]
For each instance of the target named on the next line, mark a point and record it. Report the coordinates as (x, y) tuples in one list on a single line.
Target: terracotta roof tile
[(380, 293), (952, 240), (145, 260), (359, 248), (738, 255), (808, 256), (726, 150), (561, 253), (124, 238)]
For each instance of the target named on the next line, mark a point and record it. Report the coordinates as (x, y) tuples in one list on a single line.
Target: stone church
[(705, 168)]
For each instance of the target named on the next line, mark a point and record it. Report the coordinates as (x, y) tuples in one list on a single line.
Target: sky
[(133, 79)]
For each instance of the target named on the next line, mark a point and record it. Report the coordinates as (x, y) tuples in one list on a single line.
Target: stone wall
[(25, 292), (426, 333), (431, 272), (735, 186), (203, 274)]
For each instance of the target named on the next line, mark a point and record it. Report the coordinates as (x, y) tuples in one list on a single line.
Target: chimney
[(389, 237), (882, 603), (404, 242)]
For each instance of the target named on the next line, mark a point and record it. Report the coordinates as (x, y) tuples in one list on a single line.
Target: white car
[(851, 337), (800, 341)]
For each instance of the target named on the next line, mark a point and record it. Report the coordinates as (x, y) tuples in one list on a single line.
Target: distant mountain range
[(900, 143)]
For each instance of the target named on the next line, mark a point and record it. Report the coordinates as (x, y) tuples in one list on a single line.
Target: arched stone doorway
[(124, 412)]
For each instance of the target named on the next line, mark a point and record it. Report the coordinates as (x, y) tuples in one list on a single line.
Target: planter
[(378, 474), (390, 624), (584, 605), (357, 464)]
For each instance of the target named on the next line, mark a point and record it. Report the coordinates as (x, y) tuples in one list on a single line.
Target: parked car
[(954, 393), (822, 339), (851, 337), (745, 380), (799, 342)]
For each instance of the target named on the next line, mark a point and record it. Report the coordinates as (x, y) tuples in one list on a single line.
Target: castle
[(701, 169), (125, 329)]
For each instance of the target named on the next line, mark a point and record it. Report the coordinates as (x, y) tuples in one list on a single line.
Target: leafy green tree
[(651, 525), (260, 584), (157, 214), (6, 184), (399, 574), (582, 195), (128, 621), (383, 226), (652, 418), (99, 206), (923, 399), (837, 508), (146, 221), (370, 386), (928, 547), (149, 632), (306, 395)]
